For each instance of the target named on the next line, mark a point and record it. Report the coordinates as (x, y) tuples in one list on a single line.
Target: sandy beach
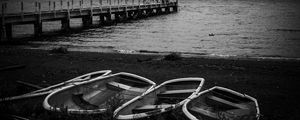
[(236, 28), (273, 82)]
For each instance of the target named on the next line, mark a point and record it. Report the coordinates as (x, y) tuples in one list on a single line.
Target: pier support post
[(65, 24), (139, 14), (108, 16), (108, 19), (38, 26), (87, 21), (105, 19), (38, 29), (129, 15), (117, 17), (102, 20), (175, 9), (167, 10), (126, 16), (121, 16), (136, 14), (150, 12), (126, 12), (3, 33), (7, 31), (159, 11)]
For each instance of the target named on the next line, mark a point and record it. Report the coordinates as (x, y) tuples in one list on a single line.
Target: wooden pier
[(108, 13)]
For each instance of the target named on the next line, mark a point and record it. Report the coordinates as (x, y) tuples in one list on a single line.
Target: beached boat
[(220, 103), (163, 98), (99, 95), (52, 88)]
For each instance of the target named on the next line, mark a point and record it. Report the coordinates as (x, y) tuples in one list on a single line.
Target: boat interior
[(99, 94), (162, 97), (217, 102)]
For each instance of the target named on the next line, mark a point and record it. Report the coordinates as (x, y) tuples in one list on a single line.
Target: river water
[(224, 28)]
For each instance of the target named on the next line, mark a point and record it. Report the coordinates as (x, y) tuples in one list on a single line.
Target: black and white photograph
[(149, 59)]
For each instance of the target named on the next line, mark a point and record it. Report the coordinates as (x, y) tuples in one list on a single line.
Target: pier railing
[(108, 11)]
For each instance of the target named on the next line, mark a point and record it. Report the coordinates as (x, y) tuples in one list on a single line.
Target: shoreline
[(274, 83), (110, 49)]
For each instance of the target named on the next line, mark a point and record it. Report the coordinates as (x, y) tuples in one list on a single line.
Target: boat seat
[(224, 103), (147, 108), (240, 112), (204, 110), (79, 101), (119, 86), (181, 94)]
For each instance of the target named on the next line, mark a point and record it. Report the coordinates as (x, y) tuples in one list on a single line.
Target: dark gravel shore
[(273, 82)]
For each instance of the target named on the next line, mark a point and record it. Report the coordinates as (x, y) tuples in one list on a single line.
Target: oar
[(29, 84), (60, 85), (15, 117), (12, 117), (11, 67), (81, 78), (25, 96), (52, 88)]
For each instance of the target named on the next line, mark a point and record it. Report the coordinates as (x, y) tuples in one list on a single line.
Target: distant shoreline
[(104, 49)]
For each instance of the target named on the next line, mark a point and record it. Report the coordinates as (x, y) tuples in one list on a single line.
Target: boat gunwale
[(192, 117), (47, 106), (162, 110)]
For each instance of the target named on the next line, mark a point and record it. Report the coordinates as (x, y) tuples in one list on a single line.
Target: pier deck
[(107, 13)]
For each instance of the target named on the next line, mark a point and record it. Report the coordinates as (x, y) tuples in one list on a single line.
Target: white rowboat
[(163, 98), (98, 95), (219, 103)]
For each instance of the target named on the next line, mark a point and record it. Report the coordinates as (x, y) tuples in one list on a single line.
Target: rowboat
[(219, 103), (165, 97), (99, 95), (48, 90)]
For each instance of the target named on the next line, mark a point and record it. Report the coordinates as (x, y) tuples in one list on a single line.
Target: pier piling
[(38, 26), (65, 24), (87, 21), (8, 30)]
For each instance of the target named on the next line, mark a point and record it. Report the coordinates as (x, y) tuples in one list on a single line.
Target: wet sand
[(273, 82)]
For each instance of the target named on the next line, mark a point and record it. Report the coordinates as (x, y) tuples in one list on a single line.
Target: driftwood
[(15, 117), (169, 57), (29, 85), (12, 117), (11, 67)]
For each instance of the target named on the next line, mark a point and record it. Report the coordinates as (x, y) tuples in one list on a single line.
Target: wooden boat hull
[(220, 103), (50, 89), (163, 98), (98, 95)]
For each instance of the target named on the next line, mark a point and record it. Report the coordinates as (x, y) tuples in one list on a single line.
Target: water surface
[(242, 28)]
